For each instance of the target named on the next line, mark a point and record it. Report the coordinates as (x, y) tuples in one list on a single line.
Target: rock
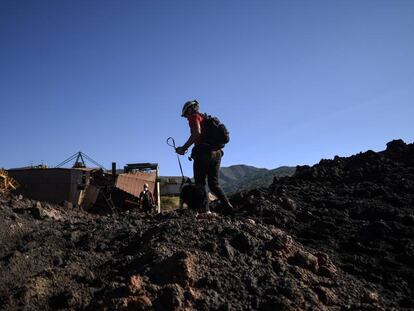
[(53, 214), (326, 267), (304, 260), (228, 250), (210, 247), (135, 284), (280, 242), (244, 242), (279, 266), (327, 296), (74, 236), (397, 145), (58, 261), (327, 271), (171, 298), (370, 297), (37, 211), (140, 302), (178, 268), (88, 277), (250, 221), (289, 204)]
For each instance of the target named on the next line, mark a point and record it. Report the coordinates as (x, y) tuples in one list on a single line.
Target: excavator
[(7, 183)]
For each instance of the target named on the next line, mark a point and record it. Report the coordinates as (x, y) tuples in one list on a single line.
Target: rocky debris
[(358, 210), (305, 260), (336, 236), (174, 261)]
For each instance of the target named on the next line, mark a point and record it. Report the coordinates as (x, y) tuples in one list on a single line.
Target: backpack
[(216, 133)]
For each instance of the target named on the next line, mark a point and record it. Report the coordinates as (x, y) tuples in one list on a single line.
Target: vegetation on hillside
[(243, 177)]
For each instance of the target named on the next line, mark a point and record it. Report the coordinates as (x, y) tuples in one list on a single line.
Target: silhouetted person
[(146, 200), (207, 158)]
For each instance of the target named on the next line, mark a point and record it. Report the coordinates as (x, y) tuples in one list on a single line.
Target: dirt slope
[(359, 210), (336, 236)]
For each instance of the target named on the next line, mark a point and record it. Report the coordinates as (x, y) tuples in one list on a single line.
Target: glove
[(180, 150)]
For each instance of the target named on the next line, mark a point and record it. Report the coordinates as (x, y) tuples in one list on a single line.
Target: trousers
[(207, 166)]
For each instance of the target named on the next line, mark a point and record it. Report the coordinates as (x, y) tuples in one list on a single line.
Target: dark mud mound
[(186, 263), (336, 236), (47, 256), (52, 259), (359, 210)]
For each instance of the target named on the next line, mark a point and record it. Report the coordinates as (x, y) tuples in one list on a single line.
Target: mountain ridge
[(243, 177)]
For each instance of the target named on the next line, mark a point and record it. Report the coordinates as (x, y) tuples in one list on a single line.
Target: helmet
[(145, 185), (187, 105)]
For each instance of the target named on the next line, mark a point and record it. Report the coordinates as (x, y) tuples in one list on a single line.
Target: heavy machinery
[(7, 183)]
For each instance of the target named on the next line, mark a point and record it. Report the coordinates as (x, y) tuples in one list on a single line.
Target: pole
[(113, 169), (157, 180)]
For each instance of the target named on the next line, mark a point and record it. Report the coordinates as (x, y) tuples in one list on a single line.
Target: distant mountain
[(243, 177)]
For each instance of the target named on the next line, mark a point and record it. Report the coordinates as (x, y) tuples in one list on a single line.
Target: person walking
[(207, 157)]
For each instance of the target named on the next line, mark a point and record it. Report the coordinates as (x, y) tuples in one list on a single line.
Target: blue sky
[(294, 81)]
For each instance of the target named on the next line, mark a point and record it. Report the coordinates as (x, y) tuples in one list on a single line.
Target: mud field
[(336, 236)]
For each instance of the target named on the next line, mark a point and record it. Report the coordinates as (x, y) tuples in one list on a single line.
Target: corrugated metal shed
[(133, 183)]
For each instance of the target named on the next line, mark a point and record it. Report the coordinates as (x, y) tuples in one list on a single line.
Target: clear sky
[(294, 81)]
